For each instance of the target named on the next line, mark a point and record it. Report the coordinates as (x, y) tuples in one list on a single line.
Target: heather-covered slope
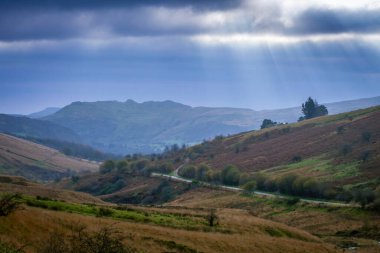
[(33, 161)]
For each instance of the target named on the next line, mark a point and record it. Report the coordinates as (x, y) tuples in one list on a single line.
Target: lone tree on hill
[(312, 109), (268, 123)]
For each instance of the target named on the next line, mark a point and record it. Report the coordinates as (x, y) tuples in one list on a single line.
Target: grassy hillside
[(162, 229), (73, 149), (328, 157), (24, 126), (24, 186), (37, 162)]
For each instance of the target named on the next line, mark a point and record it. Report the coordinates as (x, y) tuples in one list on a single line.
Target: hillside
[(328, 156), (33, 161), (24, 126), (23, 186), (292, 114), (132, 127), (162, 230)]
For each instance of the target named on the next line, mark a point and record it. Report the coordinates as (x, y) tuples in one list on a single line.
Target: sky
[(258, 54)]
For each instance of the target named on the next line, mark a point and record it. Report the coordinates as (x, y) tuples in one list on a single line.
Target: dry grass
[(21, 185), (324, 222), (249, 234), (18, 153)]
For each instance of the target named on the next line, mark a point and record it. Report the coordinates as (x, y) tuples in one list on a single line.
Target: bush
[(285, 183), (250, 186), (8, 248), (365, 156), (292, 201), (296, 159), (104, 240), (212, 218), (230, 175), (189, 172), (346, 149), (103, 211), (340, 129), (364, 197), (9, 203), (107, 167), (366, 136)]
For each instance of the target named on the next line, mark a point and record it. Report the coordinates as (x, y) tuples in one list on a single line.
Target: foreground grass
[(182, 221)]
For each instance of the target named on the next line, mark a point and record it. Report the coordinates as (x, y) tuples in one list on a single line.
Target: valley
[(263, 191)]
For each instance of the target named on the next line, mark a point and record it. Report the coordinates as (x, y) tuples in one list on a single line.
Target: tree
[(8, 203), (230, 175), (312, 109), (268, 123), (212, 217), (250, 186), (107, 167)]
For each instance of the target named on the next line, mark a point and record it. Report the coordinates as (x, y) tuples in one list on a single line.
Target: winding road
[(176, 177)]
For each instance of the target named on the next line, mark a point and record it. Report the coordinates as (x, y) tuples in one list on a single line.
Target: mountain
[(131, 127), (127, 127), (33, 161), (45, 112), (24, 126)]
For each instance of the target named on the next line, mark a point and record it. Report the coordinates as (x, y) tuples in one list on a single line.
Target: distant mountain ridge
[(45, 112), (132, 127), (125, 127)]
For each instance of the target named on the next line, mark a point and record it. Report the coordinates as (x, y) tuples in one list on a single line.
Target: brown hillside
[(322, 138), (21, 185), (37, 162), (134, 189), (247, 233)]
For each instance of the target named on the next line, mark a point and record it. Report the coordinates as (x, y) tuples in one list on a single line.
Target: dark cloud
[(328, 21), (104, 4), (57, 20)]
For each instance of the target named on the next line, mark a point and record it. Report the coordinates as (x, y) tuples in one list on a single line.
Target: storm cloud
[(60, 20)]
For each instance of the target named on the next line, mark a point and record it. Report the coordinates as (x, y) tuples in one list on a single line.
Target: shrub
[(203, 173), (250, 186), (340, 129), (230, 175), (74, 179), (189, 172), (292, 201), (79, 240), (103, 211), (364, 197), (9, 203), (365, 156), (366, 136), (346, 149), (285, 183), (8, 248), (107, 167), (212, 218), (296, 159)]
